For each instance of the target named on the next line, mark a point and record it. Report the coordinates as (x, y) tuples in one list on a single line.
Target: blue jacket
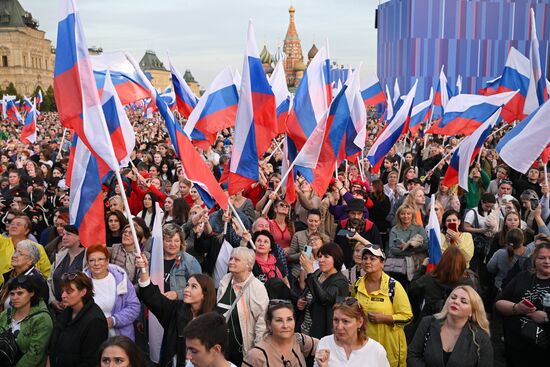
[(127, 306), (184, 266)]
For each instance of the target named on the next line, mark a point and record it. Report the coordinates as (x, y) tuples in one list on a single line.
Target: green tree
[(12, 91), (49, 100)]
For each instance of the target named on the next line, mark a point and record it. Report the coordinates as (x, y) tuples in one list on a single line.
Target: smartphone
[(271, 185), (534, 203), (527, 303), (346, 232), (308, 251), (453, 227)]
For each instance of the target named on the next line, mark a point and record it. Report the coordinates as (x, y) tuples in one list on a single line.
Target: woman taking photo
[(457, 336), (115, 221), (199, 297), (388, 315), (81, 328), (120, 351), (29, 320), (243, 300), (282, 347), (451, 236), (178, 264), (124, 255), (114, 292), (349, 345), (323, 287), (521, 303)]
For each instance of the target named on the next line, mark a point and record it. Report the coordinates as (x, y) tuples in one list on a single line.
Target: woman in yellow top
[(451, 236), (386, 306)]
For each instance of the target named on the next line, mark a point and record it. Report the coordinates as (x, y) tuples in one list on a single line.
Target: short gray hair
[(246, 254), (31, 247)]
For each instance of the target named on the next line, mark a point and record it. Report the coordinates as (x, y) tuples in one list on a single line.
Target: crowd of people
[(337, 280)]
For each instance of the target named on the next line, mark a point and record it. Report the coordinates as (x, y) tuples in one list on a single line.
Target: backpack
[(9, 350), (391, 289)]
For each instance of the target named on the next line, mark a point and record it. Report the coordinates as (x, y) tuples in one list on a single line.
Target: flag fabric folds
[(434, 237), (522, 145), (12, 112), (186, 100), (156, 273), (282, 96), (537, 92), (28, 132), (215, 111), (38, 99), (120, 129), (372, 92), (76, 93), (420, 114), (442, 95), (466, 112), (256, 120), (464, 155), (393, 131), (194, 166)]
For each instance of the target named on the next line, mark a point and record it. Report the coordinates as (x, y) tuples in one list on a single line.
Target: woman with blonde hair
[(416, 200), (456, 336)]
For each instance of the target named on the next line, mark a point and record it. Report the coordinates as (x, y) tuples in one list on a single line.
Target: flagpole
[(285, 176), (62, 140), (361, 168), (277, 147), (479, 155)]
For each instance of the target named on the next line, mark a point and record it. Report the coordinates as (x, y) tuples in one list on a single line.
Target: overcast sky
[(207, 35)]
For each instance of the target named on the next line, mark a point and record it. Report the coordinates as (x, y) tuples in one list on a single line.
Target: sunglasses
[(349, 301), (376, 247), (276, 301), (69, 276)]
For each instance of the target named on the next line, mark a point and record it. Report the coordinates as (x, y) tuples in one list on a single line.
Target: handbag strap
[(239, 295)]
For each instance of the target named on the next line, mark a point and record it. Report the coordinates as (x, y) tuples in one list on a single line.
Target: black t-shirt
[(168, 265)]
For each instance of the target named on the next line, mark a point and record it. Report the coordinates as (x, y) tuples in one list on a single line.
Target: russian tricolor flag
[(127, 83), (75, 88), (466, 112), (256, 120), (311, 101), (434, 237), (186, 100), (442, 95), (28, 132), (372, 92), (194, 166), (420, 114), (327, 144), (464, 155), (537, 92), (215, 111), (397, 126), (38, 99), (282, 96), (12, 111), (120, 129), (522, 145), (86, 209), (27, 104), (169, 97)]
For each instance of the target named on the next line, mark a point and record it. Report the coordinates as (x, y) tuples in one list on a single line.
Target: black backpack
[(9, 350)]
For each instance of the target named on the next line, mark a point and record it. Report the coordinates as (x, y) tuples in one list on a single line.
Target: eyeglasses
[(69, 276), (276, 301), (283, 205)]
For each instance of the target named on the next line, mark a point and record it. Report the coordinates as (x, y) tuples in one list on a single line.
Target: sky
[(207, 35)]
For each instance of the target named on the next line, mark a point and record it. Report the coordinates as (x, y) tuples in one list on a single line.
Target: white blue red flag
[(156, 273), (76, 93), (120, 129), (282, 96), (186, 100), (398, 125), (38, 99), (169, 97), (215, 111), (464, 155), (434, 237), (372, 92), (12, 112), (458, 85), (86, 209), (537, 92), (311, 101), (421, 114), (396, 92), (442, 95), (28, 131), (256, 121), (126, 81), (466, 112), (194, 166), (27, 104), (524, 144), (389, 105)]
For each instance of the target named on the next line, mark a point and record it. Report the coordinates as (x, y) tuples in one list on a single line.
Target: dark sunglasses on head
[(376, 247), (275, 301), (69, 276), (505, 181), (349, 301)]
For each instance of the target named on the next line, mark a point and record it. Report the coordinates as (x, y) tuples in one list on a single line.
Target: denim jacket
[(184, 266)]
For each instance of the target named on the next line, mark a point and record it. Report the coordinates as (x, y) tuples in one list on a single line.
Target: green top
[(474, 190), (34, 334)]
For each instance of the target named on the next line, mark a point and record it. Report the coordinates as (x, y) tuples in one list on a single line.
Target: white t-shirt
[(372, 354), (470, 218), (105, 294)]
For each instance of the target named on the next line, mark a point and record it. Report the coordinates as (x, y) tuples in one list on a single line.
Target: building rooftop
[(150, 61), (12, 14)]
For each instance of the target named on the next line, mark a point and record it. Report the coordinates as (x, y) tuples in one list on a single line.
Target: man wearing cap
[(358, 223)]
